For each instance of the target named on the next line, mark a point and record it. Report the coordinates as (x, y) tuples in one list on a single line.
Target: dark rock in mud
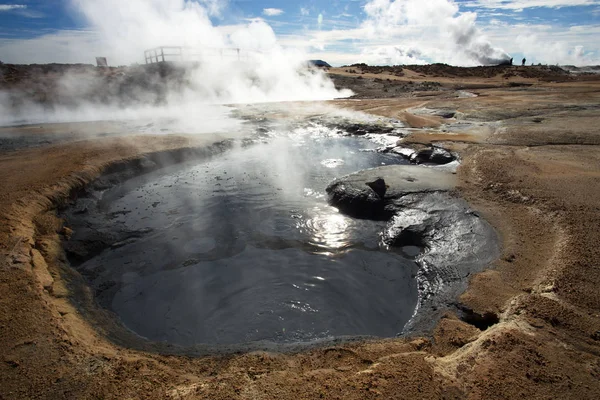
[(420, 154), (356, 130), (413, 235), (446, 114), (456, 241), (364, 129), (359, 202), (353, 195), (422, 212), (432, 155), (94, 243)]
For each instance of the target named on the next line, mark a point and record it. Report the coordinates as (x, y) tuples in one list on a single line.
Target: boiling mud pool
[(243, 247)]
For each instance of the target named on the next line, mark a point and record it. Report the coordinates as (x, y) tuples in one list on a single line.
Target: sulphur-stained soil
[(531, 322)]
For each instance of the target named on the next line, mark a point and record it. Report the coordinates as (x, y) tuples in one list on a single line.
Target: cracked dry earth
[(530, 166)]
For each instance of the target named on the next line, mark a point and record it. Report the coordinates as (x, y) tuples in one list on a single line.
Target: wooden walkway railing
[(180, 53)]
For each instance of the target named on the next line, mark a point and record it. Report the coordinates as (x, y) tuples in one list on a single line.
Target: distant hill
[(541, 72), (319, 63)]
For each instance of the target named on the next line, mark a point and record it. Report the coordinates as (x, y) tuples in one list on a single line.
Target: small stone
[(67, 232), (510, 258)]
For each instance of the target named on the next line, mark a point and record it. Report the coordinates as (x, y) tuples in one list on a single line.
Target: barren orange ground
[(535, 175)]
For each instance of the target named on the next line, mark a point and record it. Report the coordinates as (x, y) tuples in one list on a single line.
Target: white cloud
[(518, 5), (272, 12), (60, 47), (10, 7), (395, 32), (304, 11), (214, 7), (415, 32), (549, 44)]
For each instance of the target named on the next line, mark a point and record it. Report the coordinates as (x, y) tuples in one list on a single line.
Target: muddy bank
[(542, 200)]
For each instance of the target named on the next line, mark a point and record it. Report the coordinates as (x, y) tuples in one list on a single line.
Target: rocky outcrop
[(422, 212), (354, 196), (418, 154), (432, 155), (361, 129)]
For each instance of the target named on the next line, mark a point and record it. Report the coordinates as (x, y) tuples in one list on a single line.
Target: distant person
[(511, 61), (524, 61)]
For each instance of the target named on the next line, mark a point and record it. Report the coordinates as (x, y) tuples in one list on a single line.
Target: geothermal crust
[(530, 153)]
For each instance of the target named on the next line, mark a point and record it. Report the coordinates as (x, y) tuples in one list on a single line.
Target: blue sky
[(374, 31)]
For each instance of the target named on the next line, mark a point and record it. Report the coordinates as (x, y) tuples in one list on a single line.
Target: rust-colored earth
[(533, 172)]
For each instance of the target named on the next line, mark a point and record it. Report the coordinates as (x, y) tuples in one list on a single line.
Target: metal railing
[(181, 53)]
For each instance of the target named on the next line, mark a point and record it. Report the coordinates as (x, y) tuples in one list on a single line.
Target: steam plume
[(270, 73), (451, 36), (266, 73)]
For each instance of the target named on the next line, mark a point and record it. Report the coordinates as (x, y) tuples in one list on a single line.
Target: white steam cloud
[(239, 64), (267, 73), (393, 55), (458, 39)]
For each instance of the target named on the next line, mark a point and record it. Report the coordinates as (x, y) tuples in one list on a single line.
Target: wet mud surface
[(210, 119), (243, 247)]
